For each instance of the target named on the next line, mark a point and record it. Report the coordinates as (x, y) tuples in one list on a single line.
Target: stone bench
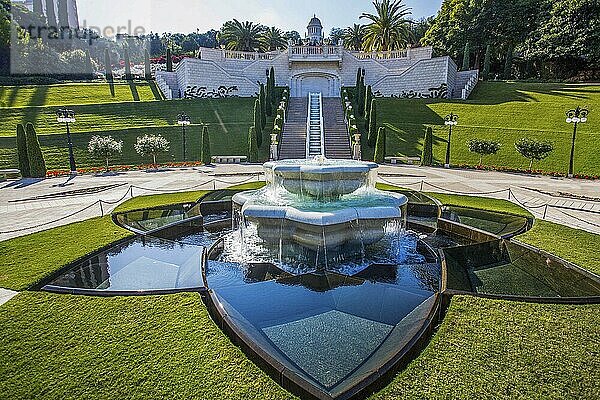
[(403, 160), (229, 159), (9, 173)]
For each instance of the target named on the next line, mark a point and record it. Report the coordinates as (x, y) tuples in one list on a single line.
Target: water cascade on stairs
[(315, 143)]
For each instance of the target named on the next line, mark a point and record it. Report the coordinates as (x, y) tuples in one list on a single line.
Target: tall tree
[(336, 35), (205, 155), (252, 146), (22, 152), (379, 157), (487, 62), (372, 137), (466, 64), (262, 97), (169, 60), (147, 67), (127, 62), (508, 63), (389, 27), (258, 122), (427, 156), (368, 101), (50, 14), (37, 165), (108, 66), (241, 36), (354, 37)]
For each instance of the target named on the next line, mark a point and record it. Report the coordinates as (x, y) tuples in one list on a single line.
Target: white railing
[(315, 51), (381, 55), (249, 56), (470, 85)]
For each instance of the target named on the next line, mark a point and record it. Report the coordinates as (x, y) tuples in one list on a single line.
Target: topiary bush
[(37, 165), (151, 145), (483, 148), (205, 156), (258, 123), (105, 147), (368, 101), (427, 156), (252, 146), (147, 67), (263, 106), (372, 138), (379, 157), (22, 152), (533, 150), (127, 61)]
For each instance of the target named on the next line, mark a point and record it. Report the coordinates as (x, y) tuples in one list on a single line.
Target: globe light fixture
[(183, 120), (575, 117), (66, 116), (450, 121)]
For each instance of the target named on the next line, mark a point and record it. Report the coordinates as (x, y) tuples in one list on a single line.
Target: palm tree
[(389, 29), (241, 36), (354, 37), (273, 39)]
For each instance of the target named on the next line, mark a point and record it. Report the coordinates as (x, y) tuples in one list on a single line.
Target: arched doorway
[(315, 82)]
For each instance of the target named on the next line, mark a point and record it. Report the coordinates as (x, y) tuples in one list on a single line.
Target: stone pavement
[(6, 295), (22, 211)]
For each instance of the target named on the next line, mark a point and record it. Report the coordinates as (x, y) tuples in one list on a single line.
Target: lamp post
[(183, 120), (68, 117), (576, 116), (450, 121)]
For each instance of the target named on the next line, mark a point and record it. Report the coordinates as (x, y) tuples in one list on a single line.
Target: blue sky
[(187, 15)]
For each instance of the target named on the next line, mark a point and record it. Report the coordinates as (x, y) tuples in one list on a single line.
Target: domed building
[(315, 32)]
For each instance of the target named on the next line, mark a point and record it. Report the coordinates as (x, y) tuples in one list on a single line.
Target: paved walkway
[(6, 295), (23, 211)]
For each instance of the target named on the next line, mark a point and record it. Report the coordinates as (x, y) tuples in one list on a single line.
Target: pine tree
[(487, 61), (108, 66), (127, 64), (257, 123), (37, 165), (22, 152), (50, 14), (427, 157), (368, 101), (508, 63), (466, 57), (169, 60), (205, 155), (372, 124), (252, 146), (148, 70), (379, 157), (263, 106)]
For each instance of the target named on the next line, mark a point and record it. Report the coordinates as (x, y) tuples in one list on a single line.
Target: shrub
[(37, 165), (252, 146), (427, 157), (257, 123), (533, 150), (380, 146), (372, 138), (151, 145), (483, 148), (22, 152), (205, 155), (104, 147), (487, 61)]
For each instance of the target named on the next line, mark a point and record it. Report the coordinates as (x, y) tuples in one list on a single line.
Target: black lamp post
[(450, 121), (68, 117), (183, 120), (576, 116)]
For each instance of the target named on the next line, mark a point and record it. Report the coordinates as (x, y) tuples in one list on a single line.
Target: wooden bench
[(9, 173), (229, 159), (403, 160)]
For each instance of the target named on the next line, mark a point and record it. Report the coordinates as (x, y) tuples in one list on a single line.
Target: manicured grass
[(481, 203), (579, 247), (27, 260), (228, 121), (77, 347), (499, 111), (487, 349), (76, 93), (157, 200)]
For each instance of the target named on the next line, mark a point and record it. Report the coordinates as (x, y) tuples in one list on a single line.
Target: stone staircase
[(293, 138), (464, 84), (337, 140)]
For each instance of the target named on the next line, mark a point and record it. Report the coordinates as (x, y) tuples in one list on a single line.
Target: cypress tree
[(487, 62), (169, 60), (148, 70), (358, 76), (427, 157), (466, 57), (22, 152), (272, 81), (108, 66), (50, 14), (252, 146), (263, 106), (63, 14), (269, 98), (127, 64), (37, 165), (205, 155), (372, 124), (508, 63), (257, 123), (89, 68), (379, 157), (368, 101), (37, 7)]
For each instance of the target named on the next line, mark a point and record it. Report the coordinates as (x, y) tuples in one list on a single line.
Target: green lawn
[(27, 260), (228, 121), (76, 93), (500, 111), (481, 203), (77, 347), (157, 200)]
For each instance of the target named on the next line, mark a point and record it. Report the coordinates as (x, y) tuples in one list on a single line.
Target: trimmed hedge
[(37, 165)]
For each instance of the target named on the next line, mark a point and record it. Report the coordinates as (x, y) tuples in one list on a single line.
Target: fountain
[(315, 215)]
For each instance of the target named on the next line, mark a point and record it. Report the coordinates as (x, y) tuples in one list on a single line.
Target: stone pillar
[(273, 149), (356, 150)]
